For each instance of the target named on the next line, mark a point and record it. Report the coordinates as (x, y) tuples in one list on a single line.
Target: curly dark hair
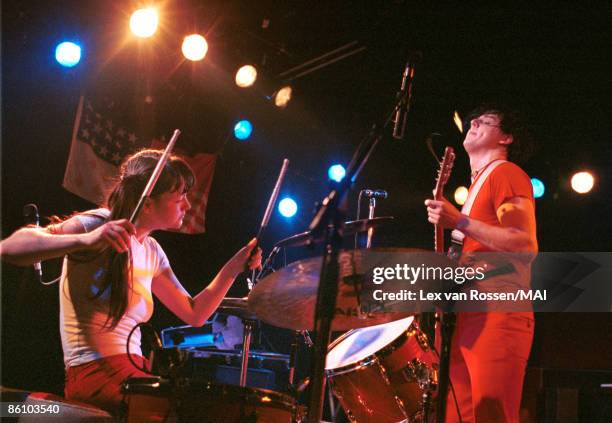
[(512, 123)]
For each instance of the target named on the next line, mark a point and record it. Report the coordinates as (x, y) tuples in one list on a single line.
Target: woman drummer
[(111, 269)]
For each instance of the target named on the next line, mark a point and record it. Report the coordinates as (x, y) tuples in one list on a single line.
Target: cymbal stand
[(293, 354), (246, 344)]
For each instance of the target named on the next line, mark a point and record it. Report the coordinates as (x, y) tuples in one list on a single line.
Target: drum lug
[(421, 373), (422, 340), (385, 376), (350, 416), (382, 371)]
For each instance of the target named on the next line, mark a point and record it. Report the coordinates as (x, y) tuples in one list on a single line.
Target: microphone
[(379, 193), (405, 94), (30, 213)]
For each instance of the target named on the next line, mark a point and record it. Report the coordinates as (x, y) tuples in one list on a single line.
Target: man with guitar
[(489, 350)]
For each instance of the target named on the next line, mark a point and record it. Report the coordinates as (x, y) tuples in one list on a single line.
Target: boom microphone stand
[(328, 220)]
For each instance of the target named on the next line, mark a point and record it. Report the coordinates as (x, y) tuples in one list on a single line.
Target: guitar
[(446, 166)]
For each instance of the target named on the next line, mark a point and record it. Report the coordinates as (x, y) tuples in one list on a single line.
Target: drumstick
[(273, 197), (268, 213), (155, 175)]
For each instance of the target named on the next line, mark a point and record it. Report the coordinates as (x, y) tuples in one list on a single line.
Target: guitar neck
[(438, 239), (443, 174)]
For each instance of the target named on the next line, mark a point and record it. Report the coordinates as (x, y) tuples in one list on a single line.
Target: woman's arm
[(195, 311), (30, 245)]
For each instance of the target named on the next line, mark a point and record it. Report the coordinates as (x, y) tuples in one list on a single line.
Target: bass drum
[(379, 373), (157, 400)]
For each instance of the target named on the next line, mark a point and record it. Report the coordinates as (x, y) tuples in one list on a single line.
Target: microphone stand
[(372, 208), (329, 220)]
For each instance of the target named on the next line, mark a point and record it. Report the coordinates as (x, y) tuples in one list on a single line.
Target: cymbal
[(236, 307), (287, 297), (350, 228)]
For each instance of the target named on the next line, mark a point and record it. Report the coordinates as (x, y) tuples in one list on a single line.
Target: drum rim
[(382, 350), (250, 394), (372, 358)]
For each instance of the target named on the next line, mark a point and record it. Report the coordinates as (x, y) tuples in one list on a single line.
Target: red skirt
[(99, 382)]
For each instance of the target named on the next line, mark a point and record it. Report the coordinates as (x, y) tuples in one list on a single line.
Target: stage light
[(246, 76), (582, 182), (461, 194), (538, 187), (68, 54), (336, 172), (287, 207), (283, 96), (458, 122), (143, 22), (194, 47), (243, 129)]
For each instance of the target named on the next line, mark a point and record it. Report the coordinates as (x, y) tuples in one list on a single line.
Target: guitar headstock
[(444, 171)]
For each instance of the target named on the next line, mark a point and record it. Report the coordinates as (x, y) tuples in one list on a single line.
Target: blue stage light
[(538, 187), (287, 207), (336, 172), (68, 54), (243, 129)]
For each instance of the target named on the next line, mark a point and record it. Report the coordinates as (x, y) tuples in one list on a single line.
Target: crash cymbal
[(236, 307), (287, 297), (350, 228)]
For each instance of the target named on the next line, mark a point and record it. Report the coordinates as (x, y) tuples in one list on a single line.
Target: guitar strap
[(457, 236)]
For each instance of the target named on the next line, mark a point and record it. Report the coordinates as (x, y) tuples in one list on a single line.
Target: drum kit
[(381, 369)]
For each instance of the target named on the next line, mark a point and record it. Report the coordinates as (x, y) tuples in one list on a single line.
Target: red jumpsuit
[(489, 351)]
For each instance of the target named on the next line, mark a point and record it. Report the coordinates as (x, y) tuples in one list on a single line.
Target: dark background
[(552, 61)]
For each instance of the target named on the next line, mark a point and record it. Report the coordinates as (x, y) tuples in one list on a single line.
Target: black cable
[(127, 346)]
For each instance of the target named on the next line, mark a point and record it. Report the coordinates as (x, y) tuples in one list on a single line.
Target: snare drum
[(378, 373), (157, 400)]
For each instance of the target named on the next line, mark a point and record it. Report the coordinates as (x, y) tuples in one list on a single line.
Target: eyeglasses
[(479, 121)]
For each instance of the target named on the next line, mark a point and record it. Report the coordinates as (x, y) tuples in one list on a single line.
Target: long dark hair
[(134, 175)]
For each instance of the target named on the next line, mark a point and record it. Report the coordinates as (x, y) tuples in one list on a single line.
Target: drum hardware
[(265, 267), (168, 362), (248, 330), (188, 400), (351, 227), (416, 371), (428, 385), (293, 356), (371, 209), (372, 195)]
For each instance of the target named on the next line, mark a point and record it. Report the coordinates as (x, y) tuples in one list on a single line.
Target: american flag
[(100, 142)]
